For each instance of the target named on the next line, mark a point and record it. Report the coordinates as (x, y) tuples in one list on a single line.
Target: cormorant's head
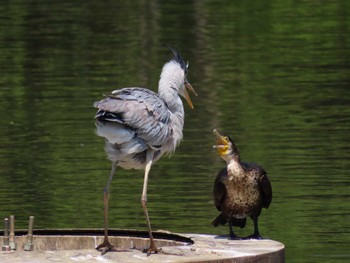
[(225, 147), (185, 86)]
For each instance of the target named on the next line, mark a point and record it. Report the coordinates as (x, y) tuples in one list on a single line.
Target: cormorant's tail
[(221, 220)]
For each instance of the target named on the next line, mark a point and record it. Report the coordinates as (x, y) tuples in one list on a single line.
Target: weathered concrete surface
[(206, 248)]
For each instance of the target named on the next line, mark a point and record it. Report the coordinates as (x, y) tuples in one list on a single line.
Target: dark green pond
[(275, 75)]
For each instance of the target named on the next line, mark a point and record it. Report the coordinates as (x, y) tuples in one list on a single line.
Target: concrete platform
[(78, 246)]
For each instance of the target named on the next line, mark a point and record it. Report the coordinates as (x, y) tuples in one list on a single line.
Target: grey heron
[(140, 126), (240, 190)]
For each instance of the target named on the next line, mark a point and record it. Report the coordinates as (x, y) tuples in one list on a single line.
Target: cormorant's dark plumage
[(241, 189)]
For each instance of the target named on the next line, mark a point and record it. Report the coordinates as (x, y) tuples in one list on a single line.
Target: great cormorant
[(241, 189)]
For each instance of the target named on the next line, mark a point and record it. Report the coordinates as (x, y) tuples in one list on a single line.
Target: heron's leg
[(149, 159), (106, 246)]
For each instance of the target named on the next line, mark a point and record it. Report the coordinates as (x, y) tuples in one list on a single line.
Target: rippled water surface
[(274, 76)]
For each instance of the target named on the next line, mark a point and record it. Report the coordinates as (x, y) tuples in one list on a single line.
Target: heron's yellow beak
[(222, 143), (186, 95)]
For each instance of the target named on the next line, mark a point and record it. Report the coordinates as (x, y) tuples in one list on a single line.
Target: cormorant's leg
[(256, 234), (106, 246), (232, 234), (149, 159)]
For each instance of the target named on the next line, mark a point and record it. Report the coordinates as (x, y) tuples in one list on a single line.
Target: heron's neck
[(174, 103), (169, 84)]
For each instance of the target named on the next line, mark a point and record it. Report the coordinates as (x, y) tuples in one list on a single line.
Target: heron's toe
[(152, 250), (108, 247)]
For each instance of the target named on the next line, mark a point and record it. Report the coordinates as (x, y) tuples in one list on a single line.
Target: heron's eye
[(186, 68)]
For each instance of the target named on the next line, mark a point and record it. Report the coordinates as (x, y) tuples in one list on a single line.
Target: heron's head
[(225, 147), (175, 72)]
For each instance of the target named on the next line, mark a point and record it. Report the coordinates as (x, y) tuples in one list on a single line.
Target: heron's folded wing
[(140, 109)]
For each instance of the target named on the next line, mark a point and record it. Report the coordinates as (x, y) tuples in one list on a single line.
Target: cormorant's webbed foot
[(234, 237), (232, 234), (254, 236)]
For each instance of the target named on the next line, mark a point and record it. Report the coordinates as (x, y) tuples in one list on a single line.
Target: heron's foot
[(254, 236), (152, 249), (105, 247)]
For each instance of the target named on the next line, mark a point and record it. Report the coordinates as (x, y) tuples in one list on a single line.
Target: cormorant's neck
[(234, 165), (232, 158)]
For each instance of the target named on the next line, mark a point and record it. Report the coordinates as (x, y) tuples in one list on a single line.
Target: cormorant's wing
[(266, 189), (263, 181), (219, 191)]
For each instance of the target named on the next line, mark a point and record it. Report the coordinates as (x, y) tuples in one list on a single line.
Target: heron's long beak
[(186, 95)]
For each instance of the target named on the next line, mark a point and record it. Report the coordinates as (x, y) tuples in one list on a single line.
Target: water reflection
[(272, 75)]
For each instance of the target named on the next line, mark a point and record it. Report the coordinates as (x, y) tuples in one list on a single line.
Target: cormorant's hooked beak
[(222, 143), (189, 87)]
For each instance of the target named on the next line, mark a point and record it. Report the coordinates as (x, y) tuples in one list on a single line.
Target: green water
[(274, 75)]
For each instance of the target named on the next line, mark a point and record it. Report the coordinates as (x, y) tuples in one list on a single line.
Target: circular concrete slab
[(75, 246)]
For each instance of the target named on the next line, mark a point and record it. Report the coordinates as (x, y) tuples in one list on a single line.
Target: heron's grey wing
[(219, 191), (140, 109)]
